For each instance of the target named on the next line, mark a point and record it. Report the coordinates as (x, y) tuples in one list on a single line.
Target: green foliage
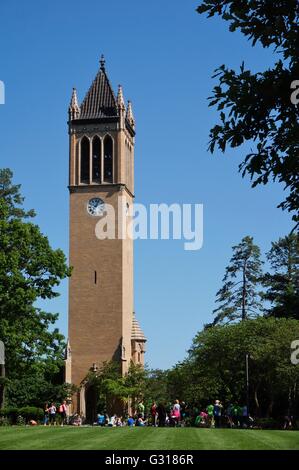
[(37, 389), (138, 384), (11, 195), (29, 270), (156, 388), (113, 389), (21, 416), (4, 421), (10, 414), (215, 367), (177, 379), (238, 297), (31, 412), (283, 284), (256, 107)]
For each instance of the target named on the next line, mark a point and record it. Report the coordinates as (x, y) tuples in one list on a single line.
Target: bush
[(10, 413), (4, 421), (21, 415), (31, 412)]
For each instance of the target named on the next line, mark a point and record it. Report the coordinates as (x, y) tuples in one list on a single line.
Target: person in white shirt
[(52, 414)]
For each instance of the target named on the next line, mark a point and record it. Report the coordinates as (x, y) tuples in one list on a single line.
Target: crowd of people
[(54, 415), (179, 414)]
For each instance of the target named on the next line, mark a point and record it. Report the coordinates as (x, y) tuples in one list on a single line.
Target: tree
[(238, 297), (10, 194), (183, 383), (283, 285), (156, 387), (114, 391), (36, 389), (136, 381), (29, 270), (257, 107), (215, 366)]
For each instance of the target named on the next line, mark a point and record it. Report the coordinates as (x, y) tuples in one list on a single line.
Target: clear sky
[(163, 53)]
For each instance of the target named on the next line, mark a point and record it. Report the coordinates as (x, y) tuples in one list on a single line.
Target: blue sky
[(163, 53)]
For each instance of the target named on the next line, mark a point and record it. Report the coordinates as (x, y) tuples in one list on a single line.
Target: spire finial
[(120, 98), (74, 109), (129, 115), (102, 62)]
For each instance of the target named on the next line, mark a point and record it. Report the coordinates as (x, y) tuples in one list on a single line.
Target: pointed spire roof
[(74, 109), (68, 351), (129, 115), (120, 98), (137, 333), (74, 99), (99, 101)]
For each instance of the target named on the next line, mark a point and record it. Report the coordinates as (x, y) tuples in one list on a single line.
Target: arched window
[(85, 160), (108, 160), (96, 160)]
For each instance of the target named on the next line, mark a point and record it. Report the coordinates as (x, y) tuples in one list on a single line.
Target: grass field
[(71, 438)]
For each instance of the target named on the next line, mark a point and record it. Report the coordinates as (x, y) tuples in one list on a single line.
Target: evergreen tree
[(238, 298), (10, 196), (283, 285)]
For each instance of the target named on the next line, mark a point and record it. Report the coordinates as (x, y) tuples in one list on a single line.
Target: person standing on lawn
[(210, 411), (229, 415), (140, 409), (217, 413), (161, 414), (154, 414), (46, 414), (62, 412), (52, 414), (176, 411)]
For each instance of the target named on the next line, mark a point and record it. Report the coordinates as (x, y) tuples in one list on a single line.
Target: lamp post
[(247, 382), (2, 372)]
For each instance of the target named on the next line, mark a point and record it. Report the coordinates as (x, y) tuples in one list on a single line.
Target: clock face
[(95, 207)]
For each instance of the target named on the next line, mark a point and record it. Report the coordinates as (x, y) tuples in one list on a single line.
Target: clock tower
[(102, 325)]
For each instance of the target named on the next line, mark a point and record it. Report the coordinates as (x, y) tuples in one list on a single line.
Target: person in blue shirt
[(101, 420), (217, 413), (140, 422), (131, 421)]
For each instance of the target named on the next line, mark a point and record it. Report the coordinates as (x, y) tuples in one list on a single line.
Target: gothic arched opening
[(85, 164), (96, 160), (91, 404), (108, 160)]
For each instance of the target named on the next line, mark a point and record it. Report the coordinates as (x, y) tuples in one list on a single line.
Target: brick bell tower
[(102, 325)]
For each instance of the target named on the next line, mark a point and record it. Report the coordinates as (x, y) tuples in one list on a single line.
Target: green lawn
[(25, 438)]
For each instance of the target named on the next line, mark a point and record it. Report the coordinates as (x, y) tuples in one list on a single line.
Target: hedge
[(26, 412)]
